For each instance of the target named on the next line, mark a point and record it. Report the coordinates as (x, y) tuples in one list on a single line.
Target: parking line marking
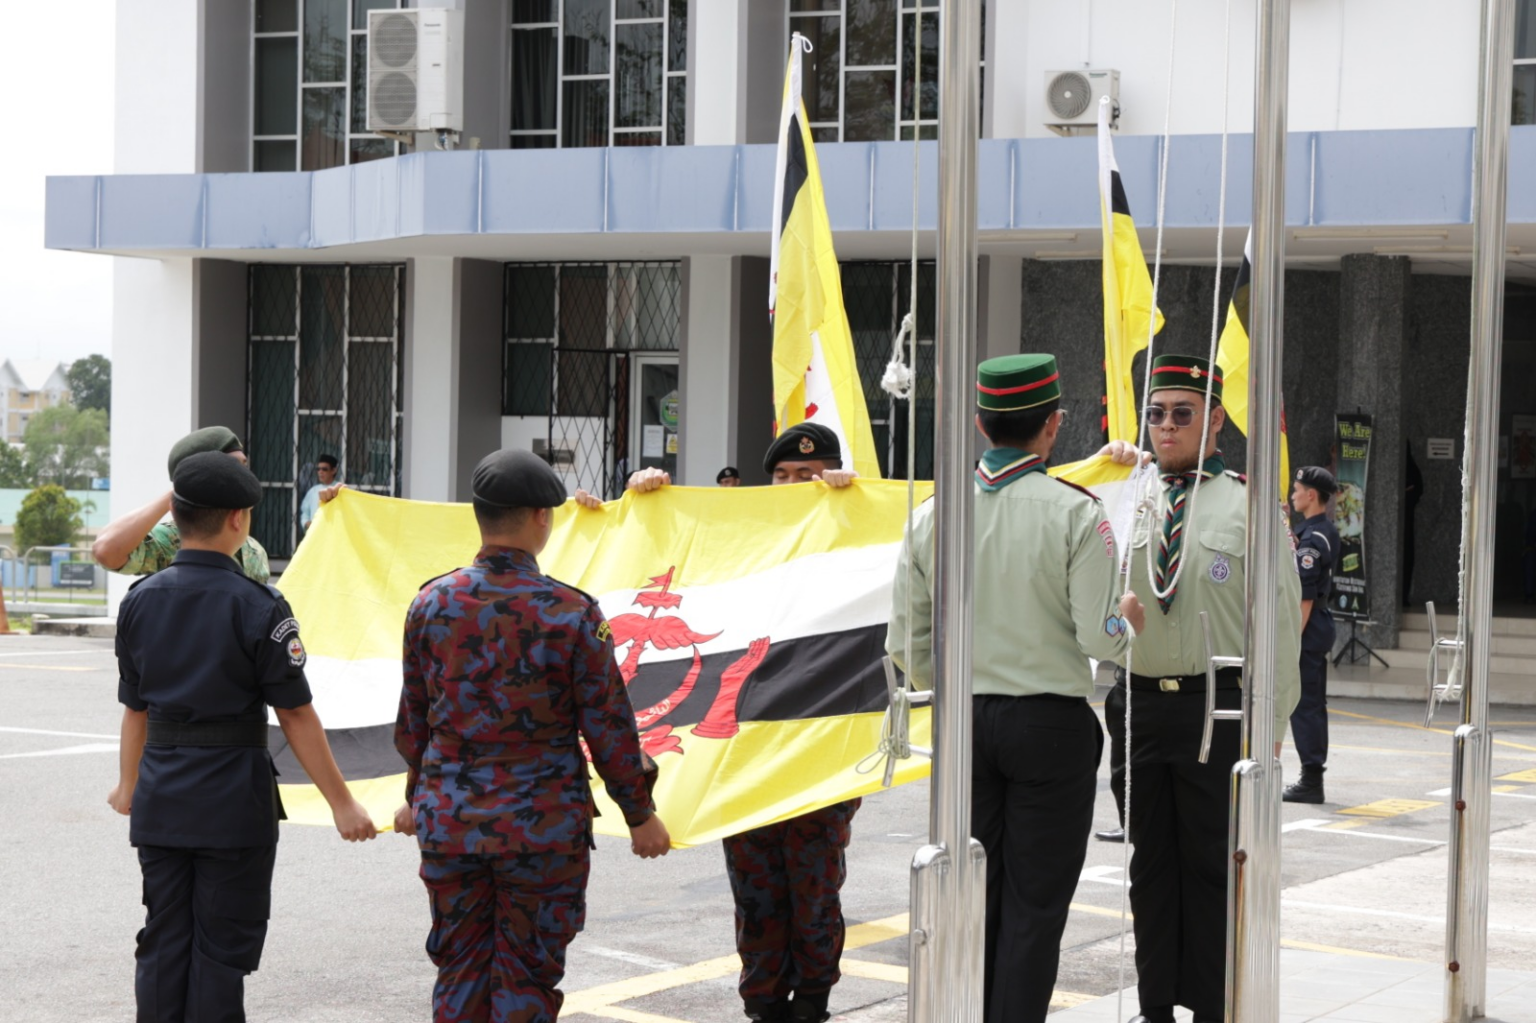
[(1091, 910), (68, 735), (629, 1015), (1069, 999), (1383, 808), (633, 958), (57, 653), (1307, 946), (1421, 728), (1525, 776), (49, 667), (888, 972), (90, 747)]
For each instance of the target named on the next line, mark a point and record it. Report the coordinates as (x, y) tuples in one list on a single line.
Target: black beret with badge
[(211, 479), (514, 478), (1319, 479), (209, 438), (728, 473), (805, 442)]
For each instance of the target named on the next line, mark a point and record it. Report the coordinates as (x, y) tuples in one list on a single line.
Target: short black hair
[(1016, 429), (195, 522), (330, 460), (493, 518)]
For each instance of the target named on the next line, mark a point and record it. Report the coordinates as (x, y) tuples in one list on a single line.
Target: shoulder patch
[(1078, 487), (285, 628), (604, 630)]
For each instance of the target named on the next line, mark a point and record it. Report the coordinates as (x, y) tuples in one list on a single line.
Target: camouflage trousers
[(500, 925), (789, 919)]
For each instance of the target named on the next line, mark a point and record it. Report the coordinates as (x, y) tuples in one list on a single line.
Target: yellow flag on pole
[(1232, 357)]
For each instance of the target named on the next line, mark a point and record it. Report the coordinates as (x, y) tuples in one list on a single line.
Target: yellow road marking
[(1343, 825), (888, 972), (1507, 788), (1068, 999), (48, 667), (1083, 907), (1421, 728), (1527, 776), (1335, 950), (1389, 807)]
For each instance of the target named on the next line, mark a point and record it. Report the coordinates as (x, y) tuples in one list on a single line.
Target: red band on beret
[(1189, 371), (1019, 390)]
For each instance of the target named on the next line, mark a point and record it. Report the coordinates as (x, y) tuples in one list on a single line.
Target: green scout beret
[(1319, 479), (1013, 383), (514, 478), (211, 479), (209, 438), (804, 442), (1185, 373)]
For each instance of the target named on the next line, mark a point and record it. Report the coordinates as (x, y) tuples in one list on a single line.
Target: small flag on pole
[(1232, 357), (815, 377)]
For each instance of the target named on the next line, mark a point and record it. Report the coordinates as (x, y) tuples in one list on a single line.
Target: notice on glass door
[(654, 443)]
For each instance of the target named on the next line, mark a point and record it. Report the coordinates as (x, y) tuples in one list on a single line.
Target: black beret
[(728, 473), (209, 438), (1318, 478), (513, 478), (211, 479), (807, 442)]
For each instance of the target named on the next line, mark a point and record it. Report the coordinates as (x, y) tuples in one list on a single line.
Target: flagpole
[(949, 875)]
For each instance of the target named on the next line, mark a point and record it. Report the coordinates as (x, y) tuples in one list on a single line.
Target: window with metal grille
[(599, 73), (323, 377), (859, 74), (1523, 110), (877, 296), (311, 85), (590, 348)]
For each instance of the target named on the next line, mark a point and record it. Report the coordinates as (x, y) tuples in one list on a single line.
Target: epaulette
[(1077, 487), (133, 585), (582, 593), (434, 579), (1240, 477)]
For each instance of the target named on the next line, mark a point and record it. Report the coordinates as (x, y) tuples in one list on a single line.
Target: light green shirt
[(157, 550), (1214, 550), (1044, 596)]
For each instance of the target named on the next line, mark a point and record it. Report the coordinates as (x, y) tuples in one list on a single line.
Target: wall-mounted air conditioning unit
[(416, 70), (1072, 100)]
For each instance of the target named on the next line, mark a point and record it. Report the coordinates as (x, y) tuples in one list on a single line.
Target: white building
[(592, 260), (27, 386)]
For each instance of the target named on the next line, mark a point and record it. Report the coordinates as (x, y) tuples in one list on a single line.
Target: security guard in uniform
[(202, 651), (506, 671), (1179, 808), (1046, 600), (1317, 547)]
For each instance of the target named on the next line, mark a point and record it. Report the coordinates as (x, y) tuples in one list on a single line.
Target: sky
[(53, 305)]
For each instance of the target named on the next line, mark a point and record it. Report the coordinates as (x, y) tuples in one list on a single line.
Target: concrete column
[(1374, 296), (737, 50), (710, 346), (221, 298), (753, 411), (478, 401)]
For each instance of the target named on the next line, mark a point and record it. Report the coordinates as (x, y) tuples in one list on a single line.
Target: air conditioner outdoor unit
[(416, 70), (1072, 100)]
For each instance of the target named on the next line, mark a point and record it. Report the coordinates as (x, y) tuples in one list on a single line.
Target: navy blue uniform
[(1317, 547), (204, 650)]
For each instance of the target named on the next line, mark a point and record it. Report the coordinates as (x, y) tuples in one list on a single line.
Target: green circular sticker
[(669, 411)]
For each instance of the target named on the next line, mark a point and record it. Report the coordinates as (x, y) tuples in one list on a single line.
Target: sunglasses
[(1182, 415)]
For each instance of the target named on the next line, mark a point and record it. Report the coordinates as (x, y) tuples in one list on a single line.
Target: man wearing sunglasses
[(1187, 559)]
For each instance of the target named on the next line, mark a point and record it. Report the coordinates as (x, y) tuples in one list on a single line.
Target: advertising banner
[(1350, 598)]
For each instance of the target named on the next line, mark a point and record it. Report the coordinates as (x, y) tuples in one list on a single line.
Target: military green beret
[(1185, 373), (514, 478), (804, 442), (209, 438), (211, 479), (1013, 383)]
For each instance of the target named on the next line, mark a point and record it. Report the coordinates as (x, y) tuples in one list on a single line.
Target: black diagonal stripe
[(1240, 289), (796, 170), (1118, 203), (825, 675)]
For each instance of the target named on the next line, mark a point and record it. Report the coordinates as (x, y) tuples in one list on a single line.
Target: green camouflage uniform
[(157, 550)]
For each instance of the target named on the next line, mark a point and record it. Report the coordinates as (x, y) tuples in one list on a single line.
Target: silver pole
[(948, 932), (1467, 896), (1254, 888)]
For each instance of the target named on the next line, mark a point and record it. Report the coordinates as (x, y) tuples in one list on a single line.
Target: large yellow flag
[(1127, 293), (815, 376), (1232, 357)]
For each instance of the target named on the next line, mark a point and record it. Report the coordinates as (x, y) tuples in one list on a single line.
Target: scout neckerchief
[(1002, 466), (1171, 546)]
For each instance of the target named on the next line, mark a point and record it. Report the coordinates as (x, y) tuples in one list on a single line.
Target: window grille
[(877, 297), (323, 377), (1524, 108)]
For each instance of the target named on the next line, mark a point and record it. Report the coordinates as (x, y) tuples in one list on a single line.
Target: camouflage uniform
[(789, 919), (157, 550), (505, 669)]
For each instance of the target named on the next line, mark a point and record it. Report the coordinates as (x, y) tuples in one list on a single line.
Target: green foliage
[(14, 474), (48, 518), (90, 383), (67, 446)]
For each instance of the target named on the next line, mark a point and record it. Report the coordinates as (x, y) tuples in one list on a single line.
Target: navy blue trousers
[(1309, 721), (205, 923)]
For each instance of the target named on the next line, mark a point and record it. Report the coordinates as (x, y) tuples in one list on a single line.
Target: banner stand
[(1357, 649)]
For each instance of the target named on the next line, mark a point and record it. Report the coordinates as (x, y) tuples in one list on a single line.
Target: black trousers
[(1114, 720), (1309, 721), (205, 923), (1179, 810), (1034, 775)]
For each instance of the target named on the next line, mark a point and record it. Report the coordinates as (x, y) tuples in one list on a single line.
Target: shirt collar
[(1002, 466), (208, 559), (1214, 466), (499, 558)]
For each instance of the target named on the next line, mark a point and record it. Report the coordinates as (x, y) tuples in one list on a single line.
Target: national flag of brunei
[(815, 377), (1232, 357), (1127, 293), (749, 624)]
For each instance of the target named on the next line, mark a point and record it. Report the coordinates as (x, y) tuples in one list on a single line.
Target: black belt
[(208, 733), (1226, 678)]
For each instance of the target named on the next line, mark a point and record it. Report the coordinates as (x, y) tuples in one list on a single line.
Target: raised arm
[(118, 539)]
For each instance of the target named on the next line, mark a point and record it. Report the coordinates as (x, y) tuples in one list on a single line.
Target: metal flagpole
[(1253, 891), (1466, 924), (949, 874)]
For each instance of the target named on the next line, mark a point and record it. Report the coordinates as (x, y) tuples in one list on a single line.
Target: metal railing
[(39, 581)]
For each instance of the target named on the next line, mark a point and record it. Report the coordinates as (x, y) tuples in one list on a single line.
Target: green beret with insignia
[(514, 478), (1186, 373), (1013, 383), (209, 438), (804, 442), (211, 479)]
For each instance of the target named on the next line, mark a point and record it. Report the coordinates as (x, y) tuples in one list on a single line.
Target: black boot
[(766, 1010), (1306, 789), (809, 1008)]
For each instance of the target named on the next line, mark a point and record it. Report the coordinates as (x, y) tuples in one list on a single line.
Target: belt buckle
[(1168, 685)]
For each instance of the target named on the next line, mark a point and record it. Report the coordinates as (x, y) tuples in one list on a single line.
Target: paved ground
[(1364, 874)]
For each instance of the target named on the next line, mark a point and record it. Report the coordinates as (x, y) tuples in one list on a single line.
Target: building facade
[(586, 274), (26, 388)]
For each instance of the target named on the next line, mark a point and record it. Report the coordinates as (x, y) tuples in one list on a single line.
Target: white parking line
[(1317, 826), (1103, 875), (90, 747), (56, 653), (67, 735), (1332, 907), (634, 958)]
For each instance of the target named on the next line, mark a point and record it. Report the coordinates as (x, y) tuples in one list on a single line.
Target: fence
[(53, 580)]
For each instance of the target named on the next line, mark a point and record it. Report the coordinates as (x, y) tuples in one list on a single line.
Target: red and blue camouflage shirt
[(504, 669)]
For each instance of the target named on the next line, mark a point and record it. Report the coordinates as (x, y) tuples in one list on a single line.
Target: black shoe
[(1112, 835), (809, 1008), (760, 1010), (1155, 1016), (1306, 789)]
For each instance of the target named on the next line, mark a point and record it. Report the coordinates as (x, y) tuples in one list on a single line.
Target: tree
[(90, 383), (49, 517), (67, 446), (14, 474)]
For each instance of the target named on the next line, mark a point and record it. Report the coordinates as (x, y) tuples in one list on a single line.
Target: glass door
[(653, 410)]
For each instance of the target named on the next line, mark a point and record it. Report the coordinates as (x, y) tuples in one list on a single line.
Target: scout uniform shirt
[(1214, 547), (1317, 545), (1045, 588), (157, 550)]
